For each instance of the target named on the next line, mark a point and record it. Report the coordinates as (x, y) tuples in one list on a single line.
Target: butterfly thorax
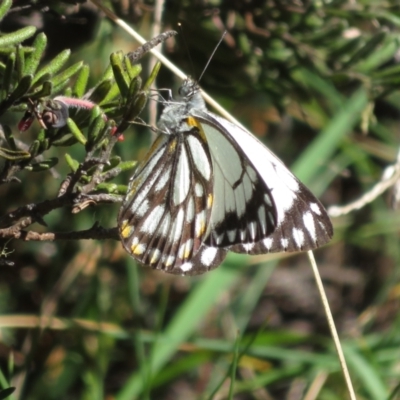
[(174, 117)]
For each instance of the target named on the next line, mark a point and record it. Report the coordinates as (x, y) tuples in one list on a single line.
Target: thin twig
[(41, 209), (32, 213), (390, 176), (155, 31), (332, 326), (96, 232)]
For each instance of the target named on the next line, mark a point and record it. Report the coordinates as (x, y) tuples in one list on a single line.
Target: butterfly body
[(208, 186)]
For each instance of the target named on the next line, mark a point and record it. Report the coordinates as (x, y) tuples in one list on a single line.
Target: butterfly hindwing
[(243, 208), (163, 220), (301, 221), (206, 259)]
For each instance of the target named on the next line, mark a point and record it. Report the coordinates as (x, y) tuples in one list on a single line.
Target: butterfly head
[(191, 93), (173, 118), (189, 88)]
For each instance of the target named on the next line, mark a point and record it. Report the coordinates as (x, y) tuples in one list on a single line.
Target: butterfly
[(207, 187)]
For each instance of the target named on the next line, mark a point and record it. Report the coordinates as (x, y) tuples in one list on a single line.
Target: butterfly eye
[(188, 89), (183, 91)]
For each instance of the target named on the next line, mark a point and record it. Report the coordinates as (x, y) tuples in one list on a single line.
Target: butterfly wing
[(283, 212), (243, 206), (163, 219)]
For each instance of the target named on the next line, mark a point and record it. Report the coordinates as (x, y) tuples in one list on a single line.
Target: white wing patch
[(163, 180), (151, 222), (202, 162), (208, 256), (298, 237), (182, 178), (316, 208), (309, 224)]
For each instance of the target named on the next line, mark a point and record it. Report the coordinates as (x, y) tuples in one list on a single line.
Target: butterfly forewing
[(243, 209), (163, 220), (301, 221)]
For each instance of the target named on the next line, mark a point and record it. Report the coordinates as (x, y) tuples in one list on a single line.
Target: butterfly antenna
[(186, 47), (212, 54)]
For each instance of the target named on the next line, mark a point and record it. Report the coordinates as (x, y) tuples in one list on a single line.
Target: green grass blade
[(317, 154), (369, 376), (251, 296), (184, 324)]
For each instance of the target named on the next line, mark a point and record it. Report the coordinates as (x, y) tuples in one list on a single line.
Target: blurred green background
[(317, 81)]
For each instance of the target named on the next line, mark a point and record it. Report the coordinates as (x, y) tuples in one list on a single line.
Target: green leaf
[(132, 70), (134, 88), (14, 155), (96, 131), (346, 47), (5, 5), (380, 56), (67, 141), (95, 112), (67, 74), (45, 91), (20, 61), (44, 144), (102, 90), (34, 148), (79, 136), (138, 105), (8, 74), (367, 49), (389, 72), (112, 94), (73, 164), (389, 16), (121, 189), (12, 39), (234, 367), (33, 60), (9, 137), (42, 165), (120, 75), (127, 165), (39, 82), (22, 88), (111, 188), (6, 392), (309, 79), (152, 76), (54, 65), (112, 163), (81, 82)]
